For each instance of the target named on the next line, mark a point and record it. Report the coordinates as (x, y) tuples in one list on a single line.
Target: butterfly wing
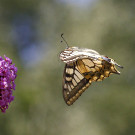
[(74, 83), (96, 69), (80, 74), (91, 69)]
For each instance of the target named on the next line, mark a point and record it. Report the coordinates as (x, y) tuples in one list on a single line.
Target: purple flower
[(7, 85)]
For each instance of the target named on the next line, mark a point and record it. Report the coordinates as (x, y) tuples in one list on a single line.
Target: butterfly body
[(83, 66)]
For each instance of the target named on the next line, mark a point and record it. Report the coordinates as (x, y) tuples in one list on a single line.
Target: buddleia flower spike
[(82, 67), (7, 85)]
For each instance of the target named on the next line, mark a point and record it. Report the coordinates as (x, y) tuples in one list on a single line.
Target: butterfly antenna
[(64, 40)]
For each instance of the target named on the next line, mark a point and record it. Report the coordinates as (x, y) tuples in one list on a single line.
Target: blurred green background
[(30, 35)]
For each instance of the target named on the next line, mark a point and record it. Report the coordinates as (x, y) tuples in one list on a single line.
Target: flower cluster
[(7, 85)]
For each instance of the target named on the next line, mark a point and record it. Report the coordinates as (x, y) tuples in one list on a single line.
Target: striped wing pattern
[(74, 83), (80, 74)]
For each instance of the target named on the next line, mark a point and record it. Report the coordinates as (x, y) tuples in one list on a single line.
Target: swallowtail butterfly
[(82, 67)]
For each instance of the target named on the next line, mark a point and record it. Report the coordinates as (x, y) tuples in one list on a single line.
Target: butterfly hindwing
[(95, 70)]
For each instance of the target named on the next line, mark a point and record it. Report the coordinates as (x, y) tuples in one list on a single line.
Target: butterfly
[(82, 67)]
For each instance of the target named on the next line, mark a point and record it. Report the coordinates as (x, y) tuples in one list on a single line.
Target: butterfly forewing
[(75, 86)]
